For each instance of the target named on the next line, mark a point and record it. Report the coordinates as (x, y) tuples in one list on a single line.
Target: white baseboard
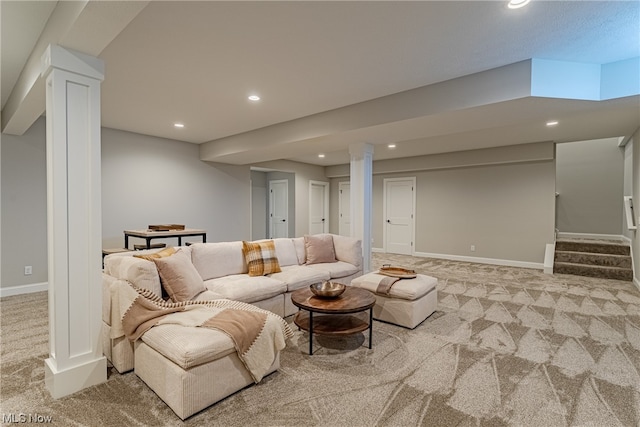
[(381, 250), (636, 282), (23, 289), (562, 234), (63, 382), (549, 256), (494, 261)]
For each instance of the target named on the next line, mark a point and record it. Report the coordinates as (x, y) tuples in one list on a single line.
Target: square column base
[(63, 383)]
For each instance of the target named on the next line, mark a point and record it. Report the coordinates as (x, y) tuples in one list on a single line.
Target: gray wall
[(24, 206), (145, 180), (635, 184), (291, 198), (503, 203), (627, 187), (303, 174), (590, 181), (259, 205), (148, 180), (260, 202)]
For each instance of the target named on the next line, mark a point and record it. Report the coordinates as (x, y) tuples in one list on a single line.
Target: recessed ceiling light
[(517, 4), (321, 156), (178, 125), (254, 98), (391, 146), (552, 123)]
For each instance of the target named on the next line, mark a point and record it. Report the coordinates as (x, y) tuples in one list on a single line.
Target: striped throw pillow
[(261, 257)]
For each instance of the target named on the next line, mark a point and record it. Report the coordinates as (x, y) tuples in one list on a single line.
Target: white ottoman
[(408, 302)]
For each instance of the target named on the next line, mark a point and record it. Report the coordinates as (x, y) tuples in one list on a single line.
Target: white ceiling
[(196, 63)]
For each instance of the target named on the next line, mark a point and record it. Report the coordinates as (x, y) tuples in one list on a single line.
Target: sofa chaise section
[(190, 368)]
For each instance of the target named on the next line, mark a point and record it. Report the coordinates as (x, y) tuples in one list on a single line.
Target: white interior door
[(399, 209), (318, 207), (344, 209), (278, 208)]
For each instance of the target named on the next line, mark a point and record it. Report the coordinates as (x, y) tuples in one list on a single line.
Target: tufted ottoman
[(408, 302)]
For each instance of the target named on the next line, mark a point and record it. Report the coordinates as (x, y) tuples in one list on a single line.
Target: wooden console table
[(149, 235)]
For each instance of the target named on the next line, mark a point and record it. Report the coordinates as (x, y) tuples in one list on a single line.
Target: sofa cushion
[(336, 269), (218, 259), (260, 257), (298, 242), (299, 276), (139, 272), (207, 296), (242, 287), (348, 249), (408, 289), (319, 248), (286, 252), (187, 346), (179, 277)]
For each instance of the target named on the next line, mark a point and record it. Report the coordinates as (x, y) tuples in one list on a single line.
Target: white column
[(74, 220), (361, 196)]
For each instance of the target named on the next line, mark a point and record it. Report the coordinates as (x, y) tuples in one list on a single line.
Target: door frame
[(270, 212), (341, 186), (413, 213), (326, 204)]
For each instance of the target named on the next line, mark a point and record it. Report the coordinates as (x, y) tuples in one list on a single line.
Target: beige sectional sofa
[(191, 368)]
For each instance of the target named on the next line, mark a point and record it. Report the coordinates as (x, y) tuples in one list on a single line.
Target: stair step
[(604, 272), (607, 260), (593, 247)]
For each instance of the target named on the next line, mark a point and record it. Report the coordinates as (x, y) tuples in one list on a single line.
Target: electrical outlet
[(28, 270), (473, 248)]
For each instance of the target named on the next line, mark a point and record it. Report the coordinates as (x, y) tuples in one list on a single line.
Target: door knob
[(322, 219), (284, 220), (389, 221)]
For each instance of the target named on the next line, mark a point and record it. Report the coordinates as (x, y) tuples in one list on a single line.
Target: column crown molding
[(73, 61)]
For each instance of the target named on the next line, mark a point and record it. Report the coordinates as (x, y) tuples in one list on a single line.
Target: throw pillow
[(160, 254), (261, 257), (319, 248), (179, 277)]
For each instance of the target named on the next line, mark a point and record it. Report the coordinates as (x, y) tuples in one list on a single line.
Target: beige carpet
[(507, 346)]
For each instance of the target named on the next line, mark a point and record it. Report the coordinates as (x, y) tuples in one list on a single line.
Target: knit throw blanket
[(378, 283), (258, 335)]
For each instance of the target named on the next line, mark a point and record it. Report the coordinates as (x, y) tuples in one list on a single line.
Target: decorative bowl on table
[(327, 289)]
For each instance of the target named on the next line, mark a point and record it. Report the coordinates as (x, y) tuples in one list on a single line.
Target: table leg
[(370, 326), (126, 241), (204, 238), (148, 239), (310, 333), (179, 240)]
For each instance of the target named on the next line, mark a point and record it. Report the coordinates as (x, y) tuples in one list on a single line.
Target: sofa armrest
[(107, 281), (348, 249)]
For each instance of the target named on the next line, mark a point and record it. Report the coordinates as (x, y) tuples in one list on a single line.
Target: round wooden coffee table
[(341, 310)]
